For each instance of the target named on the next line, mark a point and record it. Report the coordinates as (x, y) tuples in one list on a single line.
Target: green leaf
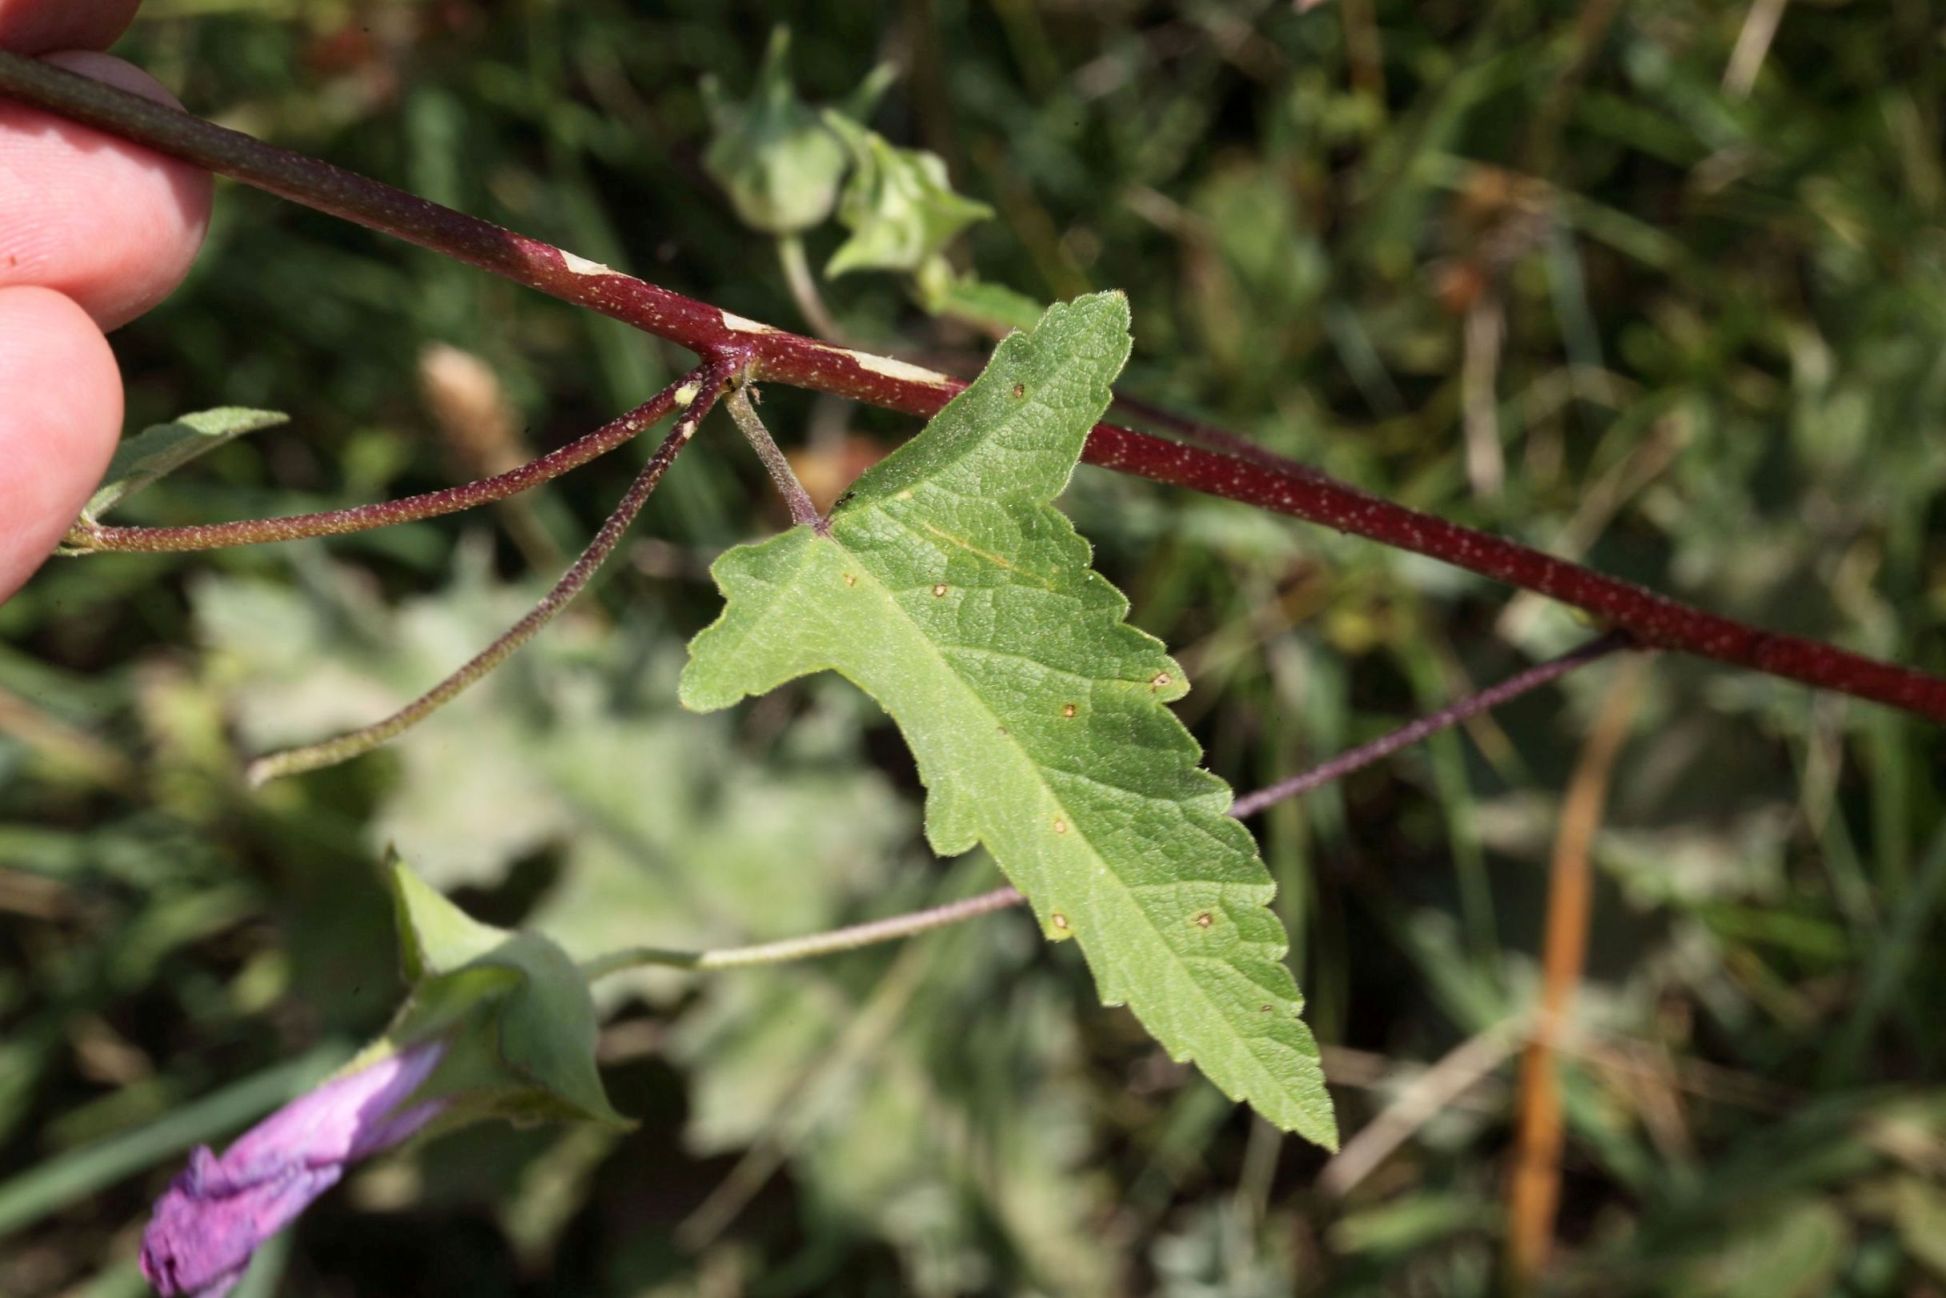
[(772, 154), (950, 591), (526, 1024), (899, 205), (164, 448)]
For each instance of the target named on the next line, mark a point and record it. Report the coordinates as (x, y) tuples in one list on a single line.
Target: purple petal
[(219, 1210)]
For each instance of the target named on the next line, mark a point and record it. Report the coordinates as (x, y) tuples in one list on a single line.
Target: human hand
[(93, 232)]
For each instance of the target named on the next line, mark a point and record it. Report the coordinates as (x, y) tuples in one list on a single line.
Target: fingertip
[(113, 226), (56, 437)]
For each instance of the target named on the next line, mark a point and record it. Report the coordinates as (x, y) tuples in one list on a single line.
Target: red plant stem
[(1411, 733), (384, 513), (1654, 620), (1220, 440)]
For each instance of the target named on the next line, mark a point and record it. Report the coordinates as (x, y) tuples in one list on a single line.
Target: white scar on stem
[(738, 324), (893, 368), (885, 366), (582, 266)]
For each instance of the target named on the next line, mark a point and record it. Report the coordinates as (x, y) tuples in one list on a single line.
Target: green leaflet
[(952, 592), (160, 449)]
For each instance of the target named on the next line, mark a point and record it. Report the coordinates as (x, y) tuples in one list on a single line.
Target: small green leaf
[(899, 205), (951, 591), (518, 1005), (771, 153), (164, 448), (992, 307)]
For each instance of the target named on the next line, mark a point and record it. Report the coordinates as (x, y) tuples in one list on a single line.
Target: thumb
[(60, 416)]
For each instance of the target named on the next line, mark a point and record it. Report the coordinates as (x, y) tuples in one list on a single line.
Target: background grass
[(1585, 275)]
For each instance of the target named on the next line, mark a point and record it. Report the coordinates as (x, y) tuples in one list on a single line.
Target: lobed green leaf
[(950, 590)]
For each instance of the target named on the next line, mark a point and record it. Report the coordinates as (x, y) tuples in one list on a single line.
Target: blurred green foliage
[(1586, 275)]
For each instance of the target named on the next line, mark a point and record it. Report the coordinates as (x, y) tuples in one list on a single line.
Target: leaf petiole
[(1422, 727), (803, 512), (812, 945), (699, 389), (89, 537)]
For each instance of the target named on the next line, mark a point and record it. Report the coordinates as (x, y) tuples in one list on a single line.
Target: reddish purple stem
[(386, 513), (1452, 714), (1654, 620)]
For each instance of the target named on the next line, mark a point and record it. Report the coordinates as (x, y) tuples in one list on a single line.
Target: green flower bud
[(899, 205), (772, 153)]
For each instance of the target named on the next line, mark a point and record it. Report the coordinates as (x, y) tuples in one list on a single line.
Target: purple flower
[(217, 1211)]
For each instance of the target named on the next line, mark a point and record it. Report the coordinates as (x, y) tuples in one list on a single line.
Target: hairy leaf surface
[(952, 591)]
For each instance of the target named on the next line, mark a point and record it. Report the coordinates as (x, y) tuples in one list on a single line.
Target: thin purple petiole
[(907, 925), (697, 395), (1452, 714), (385, 513)]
